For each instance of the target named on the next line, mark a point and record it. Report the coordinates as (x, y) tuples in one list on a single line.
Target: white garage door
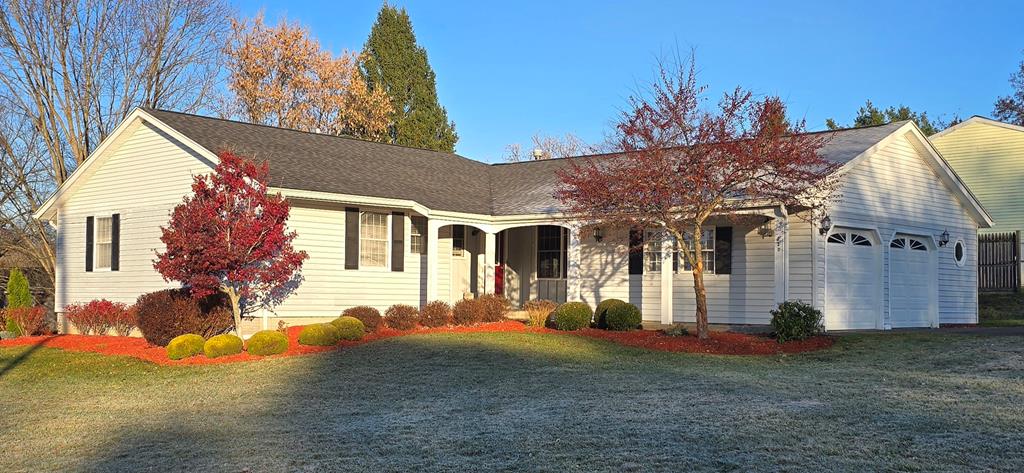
[(913, 292), (852, 281)]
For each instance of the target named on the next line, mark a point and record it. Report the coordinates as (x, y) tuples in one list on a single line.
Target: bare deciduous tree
[(547, 147)]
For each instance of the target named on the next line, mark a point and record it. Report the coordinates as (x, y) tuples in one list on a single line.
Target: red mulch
[(721, 343)]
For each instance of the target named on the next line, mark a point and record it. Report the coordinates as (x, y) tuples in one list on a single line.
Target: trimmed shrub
[(573, 316), (602, 310), (99, 316), (369, 316), (467, 312), (26, 320), (321, 335), (349, 328), (267, 342), (493, 307), (539, 311), (18, 292), (795, 320), (6, 335), (163, 315), (184, 346), (676, 330), (222, 345), (401, 317), (623, 317), (436, 314)]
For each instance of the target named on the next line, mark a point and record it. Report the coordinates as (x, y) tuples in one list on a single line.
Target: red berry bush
[(100, 316)]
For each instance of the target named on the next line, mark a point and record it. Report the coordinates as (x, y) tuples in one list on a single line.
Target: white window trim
[(387, 242), (960, 262), (96, 245), (681, 269)]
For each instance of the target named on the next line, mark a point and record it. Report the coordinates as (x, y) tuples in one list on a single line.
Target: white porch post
[(433, 230), (781, 257), (666, 280), (574, 282), (489, 254)]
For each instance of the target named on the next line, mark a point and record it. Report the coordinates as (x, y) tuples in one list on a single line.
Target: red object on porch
[(499, 279)]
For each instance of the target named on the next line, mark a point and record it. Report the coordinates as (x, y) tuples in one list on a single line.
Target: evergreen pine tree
[(392, 61), (18, 294)]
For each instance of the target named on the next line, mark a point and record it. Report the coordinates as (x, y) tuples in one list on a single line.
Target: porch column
[(781, 246), (574, 280), (666, 280), (489, 256), (433, 230)]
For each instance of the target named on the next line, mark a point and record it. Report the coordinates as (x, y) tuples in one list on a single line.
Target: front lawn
[(525, 401), (1001, 310)]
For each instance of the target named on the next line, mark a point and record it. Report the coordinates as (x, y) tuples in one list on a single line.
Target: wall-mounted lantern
[(825, 225), (944, 238), (598, 234), (765, 230)]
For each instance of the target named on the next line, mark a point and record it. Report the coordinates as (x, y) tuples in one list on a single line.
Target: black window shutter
[(636, 251), (675, 261), (115, 242), (88, 243), (351, 238), (723, 250), (397, 241)]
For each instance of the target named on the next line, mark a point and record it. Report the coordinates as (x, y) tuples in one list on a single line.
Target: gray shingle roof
[(440, 181)]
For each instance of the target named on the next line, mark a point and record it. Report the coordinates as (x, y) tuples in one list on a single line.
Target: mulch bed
[(720, 343)]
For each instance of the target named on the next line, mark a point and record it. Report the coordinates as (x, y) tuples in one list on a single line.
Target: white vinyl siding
[(145, 175)]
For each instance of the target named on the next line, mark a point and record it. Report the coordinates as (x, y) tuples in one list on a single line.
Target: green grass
[(1001, 310), (525, 402)]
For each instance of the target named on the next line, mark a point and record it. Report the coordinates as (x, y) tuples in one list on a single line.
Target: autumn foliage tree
[(681, 163), (229, 236), (280, 76), (1010, 108)]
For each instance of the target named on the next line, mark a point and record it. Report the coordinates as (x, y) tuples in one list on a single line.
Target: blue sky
[(512, 69)]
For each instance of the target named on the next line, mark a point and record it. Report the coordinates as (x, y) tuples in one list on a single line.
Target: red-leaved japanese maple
[(230, 236), (680, 162)]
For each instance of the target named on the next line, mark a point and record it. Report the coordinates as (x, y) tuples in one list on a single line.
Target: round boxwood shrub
[(267, 342), (369, 316), (795, 320), (401, 317), (436, 314), (349, 328), (573, 316), (622, 317), (222, 345), (321, 335), (184, 346), (602, 310)]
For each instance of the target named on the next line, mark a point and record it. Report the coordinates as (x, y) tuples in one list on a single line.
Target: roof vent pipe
[(538, 153)]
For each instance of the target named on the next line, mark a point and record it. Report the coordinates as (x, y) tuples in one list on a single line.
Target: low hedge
[(622, 317), (267, 342), (402, 317), (795, 320), (222, 345), (467, 312), (349, 328), (602, 310), (573, 316), (436, 314), (321, 335), (185, 346), (369, 316)]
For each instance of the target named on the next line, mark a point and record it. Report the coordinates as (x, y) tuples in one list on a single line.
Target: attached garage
[(853, 281), (913, 298)]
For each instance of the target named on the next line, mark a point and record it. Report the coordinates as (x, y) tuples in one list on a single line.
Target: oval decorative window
[(960, 253)]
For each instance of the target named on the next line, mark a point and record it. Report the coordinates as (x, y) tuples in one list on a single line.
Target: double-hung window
[(373, 240), (707, 243), (103, 241), (652, 250), (417, 230), (552, 252)]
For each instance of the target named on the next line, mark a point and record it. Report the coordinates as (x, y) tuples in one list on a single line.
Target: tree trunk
[(702, 301), (236, 312)]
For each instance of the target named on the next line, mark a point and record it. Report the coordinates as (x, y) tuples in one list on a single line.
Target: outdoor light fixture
[(825, 225), (598, 234), (944, 238), (765, 230)]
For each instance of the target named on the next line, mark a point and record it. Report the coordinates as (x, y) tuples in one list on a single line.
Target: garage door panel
[(913, 294), (853, 268)]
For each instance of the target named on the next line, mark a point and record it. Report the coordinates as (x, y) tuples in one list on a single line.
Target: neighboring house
[(386, 224), (989, 157)]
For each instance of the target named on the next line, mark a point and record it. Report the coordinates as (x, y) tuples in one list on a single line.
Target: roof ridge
[(294, 130)]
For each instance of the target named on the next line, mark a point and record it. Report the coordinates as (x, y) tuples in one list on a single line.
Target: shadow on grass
[(527, 402), (13, 363)]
